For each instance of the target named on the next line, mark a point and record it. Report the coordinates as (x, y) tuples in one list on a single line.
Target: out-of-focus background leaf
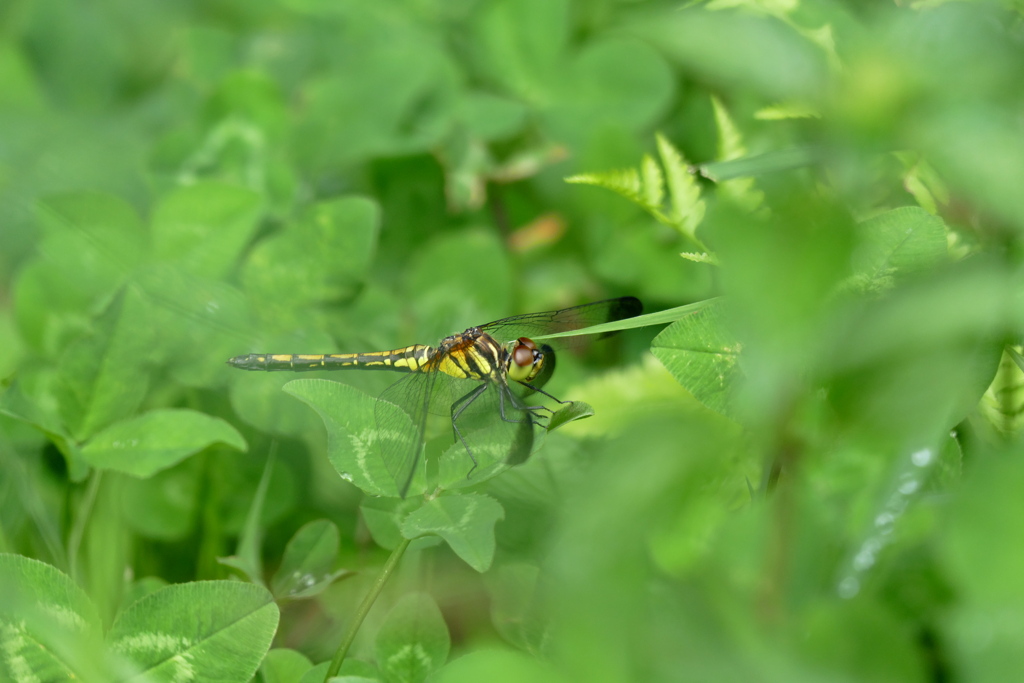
[(811, 478)]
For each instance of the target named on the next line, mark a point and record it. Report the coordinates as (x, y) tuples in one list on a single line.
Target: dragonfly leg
[(457, 409), (541, 391), (518, 405)]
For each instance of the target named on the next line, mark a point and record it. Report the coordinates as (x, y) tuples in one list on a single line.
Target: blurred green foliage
[(818, 478)]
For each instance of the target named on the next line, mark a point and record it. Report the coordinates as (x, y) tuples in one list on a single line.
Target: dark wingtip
[(629, 307)]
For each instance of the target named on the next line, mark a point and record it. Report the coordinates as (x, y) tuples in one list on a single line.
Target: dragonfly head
[(525, 360)]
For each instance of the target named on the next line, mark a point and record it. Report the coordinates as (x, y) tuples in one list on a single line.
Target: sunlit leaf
[(215, 630), (413, 642), (353, 438), (465, 522), (156, 440), (703, 357), (51, 630), (575, 410)]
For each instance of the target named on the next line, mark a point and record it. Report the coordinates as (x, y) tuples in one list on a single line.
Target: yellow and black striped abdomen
[(409, 359), (469, 355)]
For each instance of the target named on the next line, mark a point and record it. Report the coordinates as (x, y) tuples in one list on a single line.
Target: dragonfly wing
[(565, 319), (401, 414), (496, 430)]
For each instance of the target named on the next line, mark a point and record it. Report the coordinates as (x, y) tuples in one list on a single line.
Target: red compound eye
[(522, 355)]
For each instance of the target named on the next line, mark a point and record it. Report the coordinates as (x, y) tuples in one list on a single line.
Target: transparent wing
[(497, 432), (401, 414), (574, 318), (489, 428)]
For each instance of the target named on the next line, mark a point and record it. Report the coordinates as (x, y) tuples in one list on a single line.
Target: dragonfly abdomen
[(408, 359)]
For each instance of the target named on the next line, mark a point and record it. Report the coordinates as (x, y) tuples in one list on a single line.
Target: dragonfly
[(481, 379)]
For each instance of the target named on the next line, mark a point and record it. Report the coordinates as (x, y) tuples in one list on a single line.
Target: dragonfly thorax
[(525, 360)]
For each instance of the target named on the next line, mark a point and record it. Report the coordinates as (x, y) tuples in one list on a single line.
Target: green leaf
[(730, 140), (467, 163), (140, 588), (922, 182), (730, 146), (702, 356), (986, 574), (653, 181), (760, 164), (740, 50), (383, 517), (465, 522), (520, 44), (282, 665), (352, 435), (702, 257), (320, 259), (906, 365), (19, 88), (980, 152), (144, 445), (11, 342), (206, 630), (413, 642), (55, 298), (610, 83), (624, 182), (646, 320), (49, 629), (575, 410), (492, 449), (898, 242), (205, 226), (32, 399), (95, 226), (646, 189), (201, 322), (248, 559), (164, 506), (306, 568), (410, 116), (257, 397), (352, 671), (499, 665), (687, 207), (91, 242), (490, 117), (859, 640), (103, 375), (515, 592), (477, 256)]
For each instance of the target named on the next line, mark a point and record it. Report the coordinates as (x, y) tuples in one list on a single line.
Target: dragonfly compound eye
[(525, 360), (523, 355)]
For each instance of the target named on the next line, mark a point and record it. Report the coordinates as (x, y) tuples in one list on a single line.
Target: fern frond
[(624, 182), (730, 141), (730, 146), (653, 182), (687, 206), (702, 257)]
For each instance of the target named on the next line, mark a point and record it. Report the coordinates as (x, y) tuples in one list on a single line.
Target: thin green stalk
[(82, 521), (364, 608)]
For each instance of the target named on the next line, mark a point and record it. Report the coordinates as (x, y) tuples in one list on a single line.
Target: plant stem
[(82, 521), (364, 608)]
